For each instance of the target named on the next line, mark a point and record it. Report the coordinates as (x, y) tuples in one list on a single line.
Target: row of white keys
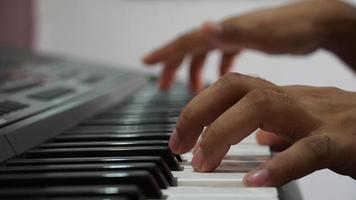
[(226, 182)]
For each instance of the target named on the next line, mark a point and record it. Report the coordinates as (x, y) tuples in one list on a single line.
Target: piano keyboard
[(122, 153)]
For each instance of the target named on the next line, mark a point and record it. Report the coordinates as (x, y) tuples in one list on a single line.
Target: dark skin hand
[(314, 127), (317, 125)]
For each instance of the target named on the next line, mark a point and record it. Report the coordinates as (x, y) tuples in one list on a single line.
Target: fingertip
[(211, 28), (164, 85), (174, 141), (195, 87), (153, 57), (256, 178), (203, 163), (147, 59), (176, 144), (198, 159)]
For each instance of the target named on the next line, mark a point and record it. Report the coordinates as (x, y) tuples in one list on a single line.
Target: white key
[(250, 139), (188, 177), (195, 192), (249, 150), (231, 165), (219, 198)]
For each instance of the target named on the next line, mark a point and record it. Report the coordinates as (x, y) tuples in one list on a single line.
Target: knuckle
[(321, 146), (230, 80), (258, 98), (265, 98)]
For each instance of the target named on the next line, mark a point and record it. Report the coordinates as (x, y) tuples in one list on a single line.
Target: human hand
[(298, 28), (317, 125)]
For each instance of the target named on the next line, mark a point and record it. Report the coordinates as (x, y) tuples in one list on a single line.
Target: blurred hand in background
[(299, 28)]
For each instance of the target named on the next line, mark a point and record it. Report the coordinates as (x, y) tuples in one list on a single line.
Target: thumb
[(302, 158)]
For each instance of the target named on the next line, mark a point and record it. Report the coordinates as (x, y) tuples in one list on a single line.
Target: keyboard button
[(7, 107), (19, 85), (51, 94)]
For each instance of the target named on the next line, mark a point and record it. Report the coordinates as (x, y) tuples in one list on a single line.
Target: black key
[(96, 160), (112, 137), (152, 168), (151, 108), (163, 152), (175, 111), (130, 192), (150, 127), (86, 198), (175, 99), (133, 143), (142, 179), (134, 116), (99, 122), (105, 130)]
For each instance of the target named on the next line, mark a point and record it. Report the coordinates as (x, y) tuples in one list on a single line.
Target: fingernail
[(174, 141), (197, 144), (257, 178), (197, 160)]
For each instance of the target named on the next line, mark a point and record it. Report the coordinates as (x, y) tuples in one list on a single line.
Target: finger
[(260, 108), (270, 139), (227, 61), (208, 105), (196, 66), (305, 156), (185, 44), (168, 73)]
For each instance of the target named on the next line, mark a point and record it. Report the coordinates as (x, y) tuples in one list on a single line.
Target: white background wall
[(122, 31)]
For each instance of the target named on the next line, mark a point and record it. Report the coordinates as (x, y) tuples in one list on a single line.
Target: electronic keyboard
[(71, 129)]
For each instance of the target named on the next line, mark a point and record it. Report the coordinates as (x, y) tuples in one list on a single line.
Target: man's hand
[(298, 28), (316, 125)]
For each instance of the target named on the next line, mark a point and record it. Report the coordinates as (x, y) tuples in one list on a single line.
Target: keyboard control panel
[(41, 94)]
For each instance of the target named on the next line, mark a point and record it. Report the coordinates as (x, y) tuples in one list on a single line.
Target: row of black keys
[(119, 154)]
